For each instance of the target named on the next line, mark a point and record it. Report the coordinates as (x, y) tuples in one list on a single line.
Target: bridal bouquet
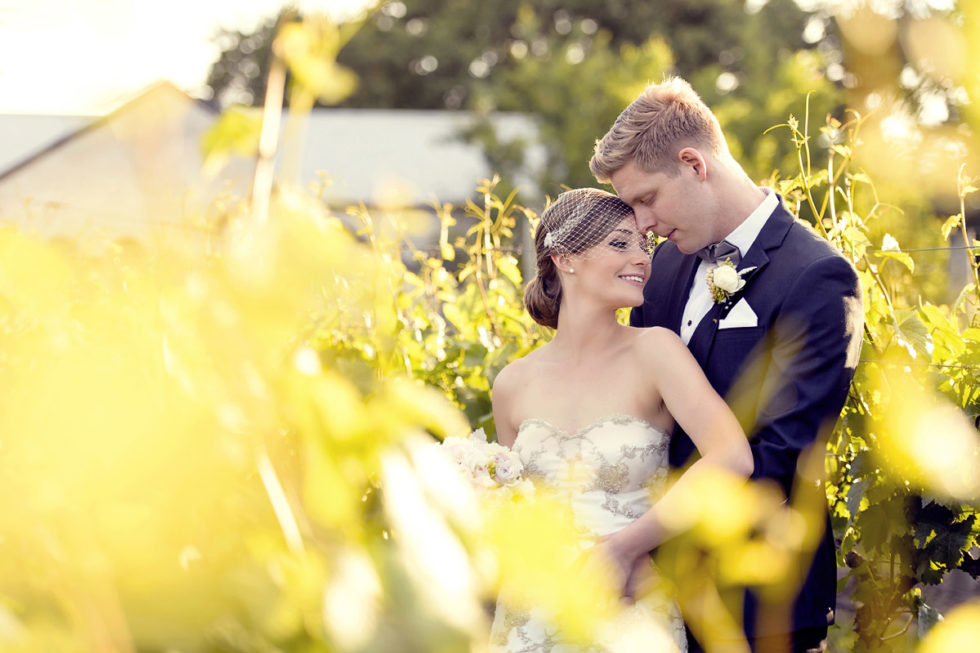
[(489, 467)]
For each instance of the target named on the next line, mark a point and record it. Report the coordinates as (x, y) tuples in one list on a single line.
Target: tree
[(572, 63)]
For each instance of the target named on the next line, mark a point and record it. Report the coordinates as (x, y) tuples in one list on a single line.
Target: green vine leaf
[(881, 522), (952, 222), (855, 497), (911, 333), (857, 241), (902, 257), (946, 545)]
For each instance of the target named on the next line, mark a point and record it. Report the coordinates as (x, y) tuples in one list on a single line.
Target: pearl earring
[(571, 270)]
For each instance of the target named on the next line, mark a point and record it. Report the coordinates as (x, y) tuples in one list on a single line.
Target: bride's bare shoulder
[(656, 337), (510, 387), (507, 377), (658, 343), (515, 373)]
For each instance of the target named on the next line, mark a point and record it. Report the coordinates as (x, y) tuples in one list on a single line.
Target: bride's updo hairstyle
[(576, 221)]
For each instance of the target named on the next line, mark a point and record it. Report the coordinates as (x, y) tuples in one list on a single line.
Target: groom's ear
[(691, 160)]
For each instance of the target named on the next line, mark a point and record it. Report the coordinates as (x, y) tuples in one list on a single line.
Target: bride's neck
[(580, 334)]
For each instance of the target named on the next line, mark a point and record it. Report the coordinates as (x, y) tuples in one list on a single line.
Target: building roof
[(130, 173), (26, 136), (367, 153), (140, 167)]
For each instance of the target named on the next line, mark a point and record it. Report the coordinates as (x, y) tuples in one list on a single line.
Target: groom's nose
[(645, 220)]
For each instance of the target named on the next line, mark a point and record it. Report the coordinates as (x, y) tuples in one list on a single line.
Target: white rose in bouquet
[(459, 450), (506, 467), (488, 466)]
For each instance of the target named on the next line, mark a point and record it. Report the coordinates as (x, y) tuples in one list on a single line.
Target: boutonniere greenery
[(724, 281)]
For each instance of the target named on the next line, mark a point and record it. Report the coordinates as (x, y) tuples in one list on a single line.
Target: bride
[(606, 395)]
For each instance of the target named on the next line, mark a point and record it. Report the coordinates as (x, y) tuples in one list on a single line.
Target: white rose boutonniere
[(724, 281)]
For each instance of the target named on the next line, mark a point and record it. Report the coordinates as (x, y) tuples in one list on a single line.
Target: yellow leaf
[(534, 545), (33, 277), (411, 403), (928, 440), (952, 222), (329, 497), (447, 251), (310, 50), (509, 268), (972, 334), (959, 630), (235, 132)]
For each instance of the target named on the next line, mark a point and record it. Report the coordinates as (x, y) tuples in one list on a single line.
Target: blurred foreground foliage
[(233, 452), (180, 471)]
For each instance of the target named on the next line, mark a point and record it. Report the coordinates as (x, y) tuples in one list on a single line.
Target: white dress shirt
[(699, 301)]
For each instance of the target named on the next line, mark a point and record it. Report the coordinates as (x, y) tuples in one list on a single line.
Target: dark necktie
[(718, 252)]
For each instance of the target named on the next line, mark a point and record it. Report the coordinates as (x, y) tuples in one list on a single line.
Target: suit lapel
[(678, 296), (771, 236), (704, 336)]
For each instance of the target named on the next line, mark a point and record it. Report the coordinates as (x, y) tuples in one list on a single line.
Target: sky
[(86, 57)]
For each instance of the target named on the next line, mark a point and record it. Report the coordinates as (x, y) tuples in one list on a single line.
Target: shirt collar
[(745, 234)]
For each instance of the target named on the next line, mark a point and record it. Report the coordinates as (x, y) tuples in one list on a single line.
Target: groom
[(795, 325)]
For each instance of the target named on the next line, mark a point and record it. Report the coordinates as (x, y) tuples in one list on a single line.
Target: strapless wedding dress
[(607, 472)]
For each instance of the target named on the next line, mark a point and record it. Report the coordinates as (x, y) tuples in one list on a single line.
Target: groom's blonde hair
[(664, 119)]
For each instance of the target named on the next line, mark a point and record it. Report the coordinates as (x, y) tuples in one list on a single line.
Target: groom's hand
[(628, 573), (599, 561), (639, 573)]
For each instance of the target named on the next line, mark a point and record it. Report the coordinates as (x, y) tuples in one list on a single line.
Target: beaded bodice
[(608, 470)]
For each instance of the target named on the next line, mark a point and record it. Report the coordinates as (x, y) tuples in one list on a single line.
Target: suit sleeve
[(814, 347)]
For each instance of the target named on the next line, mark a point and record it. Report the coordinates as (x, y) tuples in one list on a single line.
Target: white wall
[(368, 152), (135, 173), (139, 170)]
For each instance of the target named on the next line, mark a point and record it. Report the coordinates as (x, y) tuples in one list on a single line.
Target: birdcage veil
[(573, 225), (579, 219)]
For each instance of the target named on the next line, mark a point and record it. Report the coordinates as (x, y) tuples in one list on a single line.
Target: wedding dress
[(607, 472)]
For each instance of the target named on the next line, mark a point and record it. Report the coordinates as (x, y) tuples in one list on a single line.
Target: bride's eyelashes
[(623, 245)]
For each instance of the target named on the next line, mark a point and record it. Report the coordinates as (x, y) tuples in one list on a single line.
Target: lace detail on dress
[(607, 472)]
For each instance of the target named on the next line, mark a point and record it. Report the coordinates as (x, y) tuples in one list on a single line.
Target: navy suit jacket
[(786, 378)]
